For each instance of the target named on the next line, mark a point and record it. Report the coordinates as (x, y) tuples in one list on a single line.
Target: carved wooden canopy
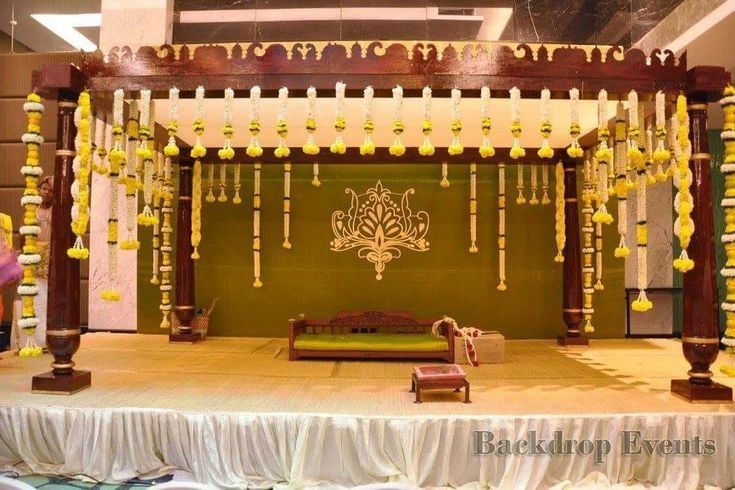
[(440, 65)]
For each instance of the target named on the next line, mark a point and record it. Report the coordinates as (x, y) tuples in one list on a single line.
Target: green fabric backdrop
[(447, 279)]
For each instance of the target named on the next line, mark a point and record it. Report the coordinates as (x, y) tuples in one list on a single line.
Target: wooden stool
[(439, 377)]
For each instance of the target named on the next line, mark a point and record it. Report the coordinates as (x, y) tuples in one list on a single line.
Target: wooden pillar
[(63, 333), (572, 265), (700, 336), (185, 307)]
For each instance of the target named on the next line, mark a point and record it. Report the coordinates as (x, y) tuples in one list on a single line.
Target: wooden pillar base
[(710, 392), (566, 340), (61, 384), (185, 338)]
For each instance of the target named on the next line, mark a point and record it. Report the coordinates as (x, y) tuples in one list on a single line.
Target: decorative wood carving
[(383, 64)]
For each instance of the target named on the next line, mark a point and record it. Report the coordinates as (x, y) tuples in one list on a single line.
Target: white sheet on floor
[(235, 450)]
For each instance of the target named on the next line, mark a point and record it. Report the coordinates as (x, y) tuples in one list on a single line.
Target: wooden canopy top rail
[(384, 64)]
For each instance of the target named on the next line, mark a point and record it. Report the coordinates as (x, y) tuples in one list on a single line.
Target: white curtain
[(232, 450)]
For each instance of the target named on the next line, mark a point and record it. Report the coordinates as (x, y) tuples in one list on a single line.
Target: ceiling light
[(65, 26)]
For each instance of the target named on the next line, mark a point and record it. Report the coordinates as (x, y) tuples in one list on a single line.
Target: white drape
[(235, 450)]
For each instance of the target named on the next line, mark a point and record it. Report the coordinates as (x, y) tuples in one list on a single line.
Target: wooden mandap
[(467, 66)]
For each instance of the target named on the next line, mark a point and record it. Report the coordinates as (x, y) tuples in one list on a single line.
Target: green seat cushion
[(370, 342)]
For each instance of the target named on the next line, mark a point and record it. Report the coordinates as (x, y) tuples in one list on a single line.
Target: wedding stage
[(235, 412)]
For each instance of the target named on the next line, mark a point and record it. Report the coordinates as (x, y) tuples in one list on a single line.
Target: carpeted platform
[(235, 413)]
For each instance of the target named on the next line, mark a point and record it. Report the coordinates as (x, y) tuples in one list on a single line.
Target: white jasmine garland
[(25, 290), (29, 259)]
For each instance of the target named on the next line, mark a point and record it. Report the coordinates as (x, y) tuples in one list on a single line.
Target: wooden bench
[(369, 335)]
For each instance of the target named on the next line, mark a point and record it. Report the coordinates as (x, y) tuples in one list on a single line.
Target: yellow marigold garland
[(521, 199), (501, 228), (604, 158), (561, 237), (534, 185), (661, 154), (574, 150), (30, 256), (310, 147), (683, 202), (368, 146), (588, 248), (156, 240), (545, 151), (80, 187), (516, 151), (621, 176), (257, 283), (641, 303), (728, 236), (282, 150), (397, 149), (426, 148), (227, 152), (171, 151), (128, 178), (455, 147), (486, 124), (210, 184), (236, 185), (340, 124), (117, 157), (286, 205), (146, 154), (254, 150), (197, 153), (473, 208)]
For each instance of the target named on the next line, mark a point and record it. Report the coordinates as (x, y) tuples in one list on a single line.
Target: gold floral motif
[(379, 226)]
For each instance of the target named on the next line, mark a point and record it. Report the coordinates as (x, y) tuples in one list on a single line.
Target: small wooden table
[(439, 377)]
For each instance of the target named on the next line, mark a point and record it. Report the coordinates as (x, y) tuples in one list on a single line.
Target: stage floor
[(254, 375)]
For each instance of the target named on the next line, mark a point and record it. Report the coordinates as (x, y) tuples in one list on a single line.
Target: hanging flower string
[(339, 147), (621, 188), (426, 148), (210, 184), (683, 203), (455, 147), (516, 151), (254, 150), (80, 187), (473, 208), (145, 153), (99, 149), (728, 236), (117, 163), (310, 147), (368, 126), (521, 199), (197, 153), (226, 153), (282, 150), (444, 182), (546, 151), (604, 156), (501, 228), (534, 185), (642, 303), (30, 256), (465, 333), (588, 249), (171, 151), (574, 150), (256, 225), (286, 205), (486, 124), (560, 218), (545, 199), (156, 241), (236, 199), (129, 179), (397, 149)]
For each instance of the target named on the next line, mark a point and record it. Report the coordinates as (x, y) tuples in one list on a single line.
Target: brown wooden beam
[(63, 332), (572, 265)]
